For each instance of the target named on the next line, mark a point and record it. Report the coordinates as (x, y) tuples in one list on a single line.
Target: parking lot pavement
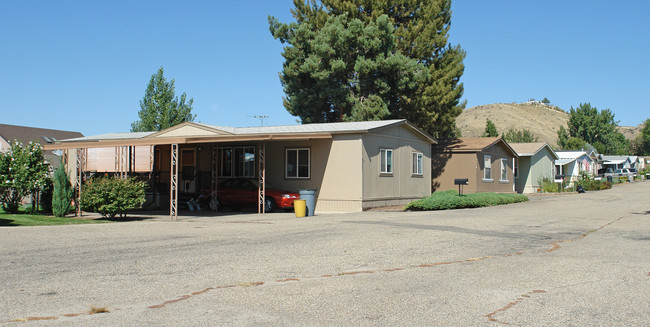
[(579, 259)]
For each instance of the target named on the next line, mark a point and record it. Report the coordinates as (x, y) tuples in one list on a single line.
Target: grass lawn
[(450, 200), (24, 219)]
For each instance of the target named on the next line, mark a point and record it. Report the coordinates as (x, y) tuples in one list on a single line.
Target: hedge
[(446, 200)]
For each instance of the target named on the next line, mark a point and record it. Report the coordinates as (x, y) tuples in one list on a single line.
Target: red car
[(242, 192)]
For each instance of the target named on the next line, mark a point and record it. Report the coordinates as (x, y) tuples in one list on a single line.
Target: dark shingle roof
[(26, 134)]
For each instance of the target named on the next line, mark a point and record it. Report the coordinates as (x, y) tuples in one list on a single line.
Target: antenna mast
[(261, 118)]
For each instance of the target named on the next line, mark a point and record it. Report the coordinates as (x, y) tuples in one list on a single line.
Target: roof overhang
[(148, 141)]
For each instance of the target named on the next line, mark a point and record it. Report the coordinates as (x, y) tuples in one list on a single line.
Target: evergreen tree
[(327, 60), (62, 194), (160, 108), (490, 129)]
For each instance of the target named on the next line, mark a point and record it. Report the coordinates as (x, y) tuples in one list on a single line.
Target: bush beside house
[(112, 196)]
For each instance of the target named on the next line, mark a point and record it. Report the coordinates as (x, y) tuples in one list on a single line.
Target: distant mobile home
[(487, 163), (535, 162)]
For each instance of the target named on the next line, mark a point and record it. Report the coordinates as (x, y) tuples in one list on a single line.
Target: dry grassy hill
[(542, 120)]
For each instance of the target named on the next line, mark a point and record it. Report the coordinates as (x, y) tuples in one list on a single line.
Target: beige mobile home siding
[(401, 186), (335, 171)]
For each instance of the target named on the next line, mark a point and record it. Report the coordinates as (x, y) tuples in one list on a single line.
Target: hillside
[(542, 120)]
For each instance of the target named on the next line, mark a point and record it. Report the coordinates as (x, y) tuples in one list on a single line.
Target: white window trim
[(384, 170), (286, 162), (485, 178), (503, 160), (417, 159)]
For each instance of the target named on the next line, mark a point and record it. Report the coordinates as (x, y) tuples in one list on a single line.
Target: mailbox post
[(460, 182)]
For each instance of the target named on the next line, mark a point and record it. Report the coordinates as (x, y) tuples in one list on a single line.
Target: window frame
[(504, 170), (297, 163), (417, 163), (487, 168), (385, 167)]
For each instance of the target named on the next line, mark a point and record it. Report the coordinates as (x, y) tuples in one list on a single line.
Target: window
[(386, 161), (487, 168), (236, 162), (417, 163), (516, 167), (504, 170), (297, 163), (225, 162), (244, 162)]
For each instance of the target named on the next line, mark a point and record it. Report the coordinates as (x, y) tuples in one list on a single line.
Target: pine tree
[(426, 90), (160, 108), (490, 129), (62, 194)]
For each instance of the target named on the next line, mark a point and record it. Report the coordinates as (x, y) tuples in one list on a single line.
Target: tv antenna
[(261, 118)]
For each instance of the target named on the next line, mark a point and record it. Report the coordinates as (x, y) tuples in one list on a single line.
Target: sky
[(84, 65)]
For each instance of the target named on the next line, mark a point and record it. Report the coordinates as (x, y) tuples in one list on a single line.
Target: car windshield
[(257, 184)]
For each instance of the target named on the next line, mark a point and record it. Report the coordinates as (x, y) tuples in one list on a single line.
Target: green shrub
[(446, 200), (590, 184), (548, 186), (111, 196)]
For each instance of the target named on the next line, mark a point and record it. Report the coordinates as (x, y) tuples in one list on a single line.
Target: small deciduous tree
[(490, 129), (643, 140), (160, 108), (62, 194), (23, 170), (596, 127)]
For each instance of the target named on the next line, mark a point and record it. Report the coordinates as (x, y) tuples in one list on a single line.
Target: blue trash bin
[(310, 200)]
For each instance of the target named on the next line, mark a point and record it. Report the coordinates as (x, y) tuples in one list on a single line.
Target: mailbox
[(460, 182)]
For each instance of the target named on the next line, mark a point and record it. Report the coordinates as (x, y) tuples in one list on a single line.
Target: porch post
[(213, 192), (261, 187), (173, 183), (80, 163)]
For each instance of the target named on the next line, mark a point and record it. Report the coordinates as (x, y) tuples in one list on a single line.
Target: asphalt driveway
[(579, 259)]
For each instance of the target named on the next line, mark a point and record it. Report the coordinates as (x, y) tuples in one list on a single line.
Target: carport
[(143, 152)]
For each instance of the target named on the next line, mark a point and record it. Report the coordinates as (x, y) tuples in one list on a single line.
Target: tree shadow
[(125, 219), (7, 222), (440, 155)]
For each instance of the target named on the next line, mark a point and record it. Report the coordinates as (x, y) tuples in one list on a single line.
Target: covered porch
[(182, 169)]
